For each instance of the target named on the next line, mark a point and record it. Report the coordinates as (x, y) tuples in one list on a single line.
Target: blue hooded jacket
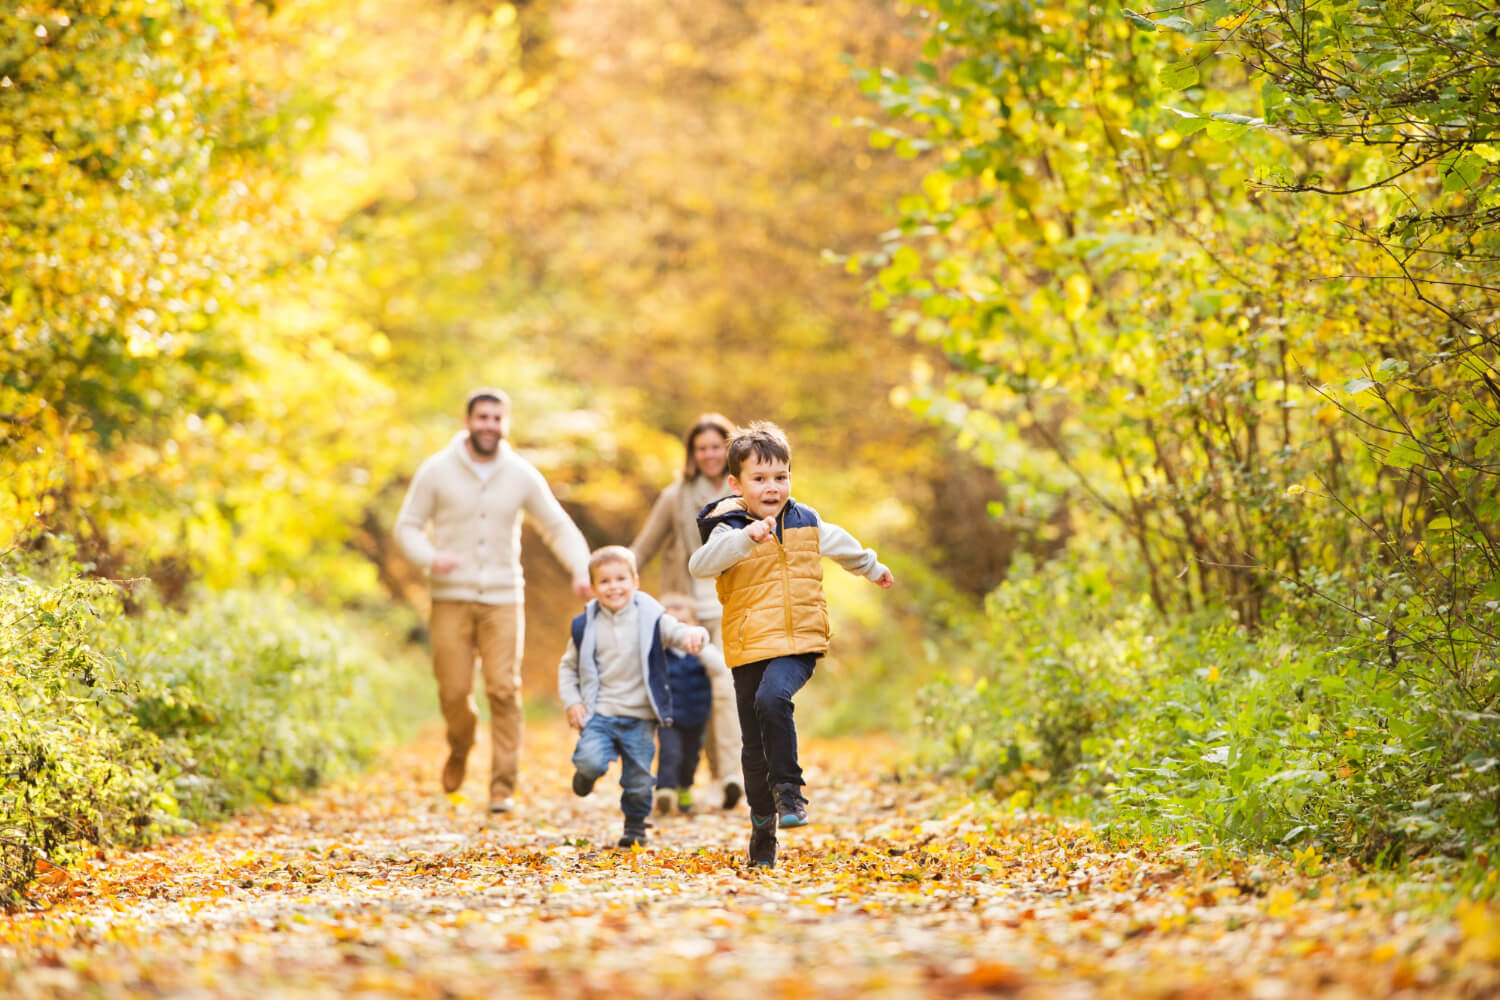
[(692, 694)]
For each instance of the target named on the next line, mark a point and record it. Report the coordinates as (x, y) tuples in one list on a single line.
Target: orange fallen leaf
[(992, 977)]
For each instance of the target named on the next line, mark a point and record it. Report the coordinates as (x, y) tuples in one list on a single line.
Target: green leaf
[(1462, 170), (1355, 386), (1143, 23), (1176, 23), (1404, 456), (1179, 75)]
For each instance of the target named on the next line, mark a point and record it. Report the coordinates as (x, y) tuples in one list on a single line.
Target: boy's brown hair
[(609, 554), (762, 439)]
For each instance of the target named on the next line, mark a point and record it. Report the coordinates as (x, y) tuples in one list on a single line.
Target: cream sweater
[(672, 529), (478, 517)]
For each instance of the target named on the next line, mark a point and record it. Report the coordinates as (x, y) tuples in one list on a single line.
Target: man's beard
[(478, 443)]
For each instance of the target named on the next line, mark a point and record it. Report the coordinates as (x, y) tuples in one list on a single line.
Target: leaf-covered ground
[(382, 887)]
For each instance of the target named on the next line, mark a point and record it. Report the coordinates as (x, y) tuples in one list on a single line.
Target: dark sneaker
[(581, 785), (762, 841), (664, 797), (791, 807), (634, 836), (733, 790)]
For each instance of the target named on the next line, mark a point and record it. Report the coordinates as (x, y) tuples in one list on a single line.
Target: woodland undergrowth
[(1084, 698), (120, 728)]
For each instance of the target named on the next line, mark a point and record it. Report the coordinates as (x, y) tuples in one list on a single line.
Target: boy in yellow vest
[(767, 551)]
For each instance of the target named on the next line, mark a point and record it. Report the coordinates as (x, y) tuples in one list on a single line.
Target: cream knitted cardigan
[(672, 530), (479, 519)]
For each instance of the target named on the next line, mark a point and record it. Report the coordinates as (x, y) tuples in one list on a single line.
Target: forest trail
[(381, 887)]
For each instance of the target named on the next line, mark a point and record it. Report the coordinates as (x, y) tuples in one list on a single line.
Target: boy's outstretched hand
[(760, 530), (583, 586), (577, 716), (695, 640), (885, 581)]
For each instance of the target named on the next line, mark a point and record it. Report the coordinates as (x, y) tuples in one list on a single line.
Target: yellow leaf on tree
[(1075, 296)]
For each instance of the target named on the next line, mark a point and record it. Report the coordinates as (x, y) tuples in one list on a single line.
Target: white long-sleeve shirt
[(727, 545)]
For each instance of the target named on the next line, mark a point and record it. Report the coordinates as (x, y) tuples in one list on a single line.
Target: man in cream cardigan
[(473, 494)]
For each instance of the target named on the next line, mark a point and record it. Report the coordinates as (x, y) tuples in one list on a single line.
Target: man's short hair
[(609, 554), (486, 395), (762, 439)]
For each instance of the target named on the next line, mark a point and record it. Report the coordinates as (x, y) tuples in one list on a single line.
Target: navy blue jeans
[(763, 693), (606, 737), (680, 746)]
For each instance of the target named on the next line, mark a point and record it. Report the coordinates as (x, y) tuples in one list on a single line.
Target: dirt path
[(382, 888)]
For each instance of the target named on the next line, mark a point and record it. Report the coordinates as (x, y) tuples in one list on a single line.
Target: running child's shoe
[(791, 807), (762, 841)]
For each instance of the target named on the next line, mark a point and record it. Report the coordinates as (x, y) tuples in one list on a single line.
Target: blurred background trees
[(1176, 405), (382, 205)]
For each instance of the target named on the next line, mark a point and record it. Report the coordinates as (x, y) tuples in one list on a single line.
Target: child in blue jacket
[(613, 683), (693, 680)]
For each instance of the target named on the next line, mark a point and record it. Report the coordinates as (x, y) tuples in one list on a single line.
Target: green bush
[(76, 768), (116, 728), (1092, 701)]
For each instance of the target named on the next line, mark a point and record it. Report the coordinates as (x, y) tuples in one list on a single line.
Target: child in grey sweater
[(614, 685)]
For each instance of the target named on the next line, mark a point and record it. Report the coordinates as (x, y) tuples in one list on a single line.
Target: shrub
[(116, 729), (76, 769), (1195, 726)]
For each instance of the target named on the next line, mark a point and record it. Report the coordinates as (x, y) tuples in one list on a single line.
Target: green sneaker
[(684, 800)]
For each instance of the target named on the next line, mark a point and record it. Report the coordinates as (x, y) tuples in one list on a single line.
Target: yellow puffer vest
[(773, 598)]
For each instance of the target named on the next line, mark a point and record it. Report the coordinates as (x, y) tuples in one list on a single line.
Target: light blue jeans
[(606, 737)]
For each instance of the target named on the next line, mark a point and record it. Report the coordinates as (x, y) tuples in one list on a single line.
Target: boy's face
[(765, 485), (682, 612), (614, 584)]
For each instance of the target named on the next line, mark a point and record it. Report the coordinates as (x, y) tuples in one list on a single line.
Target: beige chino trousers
[(721, 737), (495, 633)]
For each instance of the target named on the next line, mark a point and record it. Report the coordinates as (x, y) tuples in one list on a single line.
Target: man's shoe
[(791, 807), (634, 836), (762, 841), (581, 785), (732, 792), (664, 797), (453, 771), (504, 805)]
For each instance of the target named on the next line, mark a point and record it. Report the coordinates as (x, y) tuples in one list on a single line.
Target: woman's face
[(710, 453)]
